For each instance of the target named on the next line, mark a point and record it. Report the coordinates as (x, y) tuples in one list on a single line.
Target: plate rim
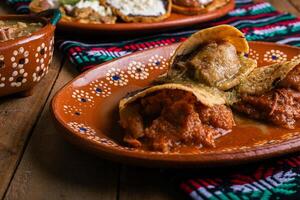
[(174, 159)]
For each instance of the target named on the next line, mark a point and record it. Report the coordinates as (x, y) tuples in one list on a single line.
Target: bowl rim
[(48, 27)]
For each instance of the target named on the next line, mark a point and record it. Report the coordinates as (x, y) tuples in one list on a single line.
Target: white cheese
[(139, 7), (204, 2), (103, 11)]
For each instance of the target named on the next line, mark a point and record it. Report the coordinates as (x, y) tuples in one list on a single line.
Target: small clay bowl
[(24, 61)]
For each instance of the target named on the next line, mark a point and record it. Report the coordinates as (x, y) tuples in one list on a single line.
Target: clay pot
[(24, 61)]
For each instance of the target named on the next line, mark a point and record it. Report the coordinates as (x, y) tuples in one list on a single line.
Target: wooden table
[(36, 163)]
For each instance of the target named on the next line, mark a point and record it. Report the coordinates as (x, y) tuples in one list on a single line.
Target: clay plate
[(173, 22), (86, 108)]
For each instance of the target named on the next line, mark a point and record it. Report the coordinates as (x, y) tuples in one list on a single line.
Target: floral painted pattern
[(42, 68), (18, 77), (99, 88), (275, 56), (90, 133), (20, 58), (137, 70), (253, 54), (81, 128), (51, 50), (82, 96), (117, 77), (41, 53), (40, 72), (72, 110), (158, 62)]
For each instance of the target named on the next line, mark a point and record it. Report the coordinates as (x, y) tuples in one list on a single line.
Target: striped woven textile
[(272, 180), (278, 179)]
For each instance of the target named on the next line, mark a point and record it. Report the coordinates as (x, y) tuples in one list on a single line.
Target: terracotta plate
[(174, 21), (87, 110)]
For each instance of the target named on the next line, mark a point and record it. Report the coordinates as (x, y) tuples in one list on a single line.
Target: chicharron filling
[(170, 119)]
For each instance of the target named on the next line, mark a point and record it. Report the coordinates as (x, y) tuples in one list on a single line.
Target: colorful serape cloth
[(279, 179), (267, 181)]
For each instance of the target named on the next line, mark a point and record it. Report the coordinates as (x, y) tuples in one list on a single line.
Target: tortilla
[(207, 96), (231, 47), (199, 10), (264, 79)]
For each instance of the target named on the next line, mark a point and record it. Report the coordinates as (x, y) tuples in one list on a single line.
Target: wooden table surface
[(36, 163)]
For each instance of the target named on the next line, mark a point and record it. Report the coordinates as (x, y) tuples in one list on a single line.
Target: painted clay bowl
[(24, 61), (87, 111)]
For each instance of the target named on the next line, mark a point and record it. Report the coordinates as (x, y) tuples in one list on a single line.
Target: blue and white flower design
[(81, 128), (158, 62), (99, 88), (82, 96), (72, 110), (275, 56), (137, 70), (117, 77)]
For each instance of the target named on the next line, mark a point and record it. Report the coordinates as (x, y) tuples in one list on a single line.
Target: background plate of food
[(211, 100), (133, 16)]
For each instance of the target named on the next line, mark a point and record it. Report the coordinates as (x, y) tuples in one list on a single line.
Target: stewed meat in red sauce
[(169, 119), (292, 80), (279, 106)]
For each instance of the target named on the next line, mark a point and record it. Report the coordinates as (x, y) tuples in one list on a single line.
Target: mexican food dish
[(12, 29), (169, 115), (194, 7), (272, 94), (112, 11), (210, 81)]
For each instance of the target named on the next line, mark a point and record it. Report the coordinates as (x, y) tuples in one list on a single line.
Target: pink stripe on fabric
[(186, 188)]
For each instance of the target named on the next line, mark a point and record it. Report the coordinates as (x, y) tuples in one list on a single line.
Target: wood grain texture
[(284, 6), (296, 4), (17, 117), (51, 168)]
